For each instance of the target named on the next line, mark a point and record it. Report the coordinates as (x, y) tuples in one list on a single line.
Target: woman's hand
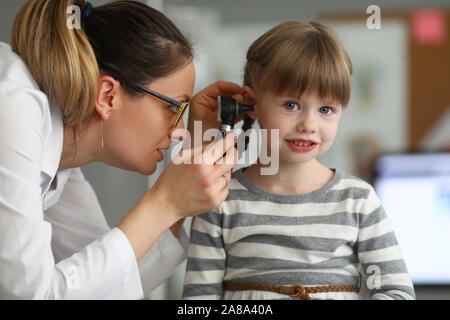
[(193, 182), (203, 105)]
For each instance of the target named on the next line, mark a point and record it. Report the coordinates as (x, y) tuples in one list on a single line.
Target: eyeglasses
[(176, 106)]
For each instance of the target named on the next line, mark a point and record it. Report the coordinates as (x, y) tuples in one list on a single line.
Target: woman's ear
[(105, 96), (247, 96)]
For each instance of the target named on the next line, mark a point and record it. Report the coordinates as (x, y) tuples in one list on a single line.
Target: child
[(307, 231)]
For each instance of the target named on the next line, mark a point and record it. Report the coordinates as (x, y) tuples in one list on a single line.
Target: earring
[(103, 144), (102, 134)]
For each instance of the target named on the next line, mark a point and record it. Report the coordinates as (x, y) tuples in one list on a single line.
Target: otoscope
[(228, 110)]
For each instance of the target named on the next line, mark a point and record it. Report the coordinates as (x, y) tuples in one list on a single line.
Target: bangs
[(311, 63)]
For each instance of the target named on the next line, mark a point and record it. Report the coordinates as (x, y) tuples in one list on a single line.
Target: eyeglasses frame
[(176, 106)]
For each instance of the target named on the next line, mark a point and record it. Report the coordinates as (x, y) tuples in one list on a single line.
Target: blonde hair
[(61, 60), (124, 39), (298, 57)]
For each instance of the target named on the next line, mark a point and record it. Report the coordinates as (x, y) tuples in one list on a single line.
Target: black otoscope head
[(228, 110)]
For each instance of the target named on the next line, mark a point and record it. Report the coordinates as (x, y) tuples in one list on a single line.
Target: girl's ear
[(247, 96)]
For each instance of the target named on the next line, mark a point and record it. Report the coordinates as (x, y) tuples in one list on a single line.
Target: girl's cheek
[(331, 134)]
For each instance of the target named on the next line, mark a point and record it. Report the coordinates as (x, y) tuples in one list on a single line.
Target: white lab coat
[(54, 240)]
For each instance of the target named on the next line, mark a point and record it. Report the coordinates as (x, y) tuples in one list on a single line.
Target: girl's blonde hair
[(124, 39), (298, 57)]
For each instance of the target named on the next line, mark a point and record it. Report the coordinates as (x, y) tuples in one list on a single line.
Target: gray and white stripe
[(321, 238)]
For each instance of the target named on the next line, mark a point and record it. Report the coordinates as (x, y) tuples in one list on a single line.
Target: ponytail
[(124, 39), (60, 59)]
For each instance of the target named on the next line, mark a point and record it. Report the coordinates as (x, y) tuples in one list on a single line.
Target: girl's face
[(139, 127), (307, 125)]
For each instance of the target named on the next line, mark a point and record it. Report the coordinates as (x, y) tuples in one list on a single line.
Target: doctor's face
[(140, 126)]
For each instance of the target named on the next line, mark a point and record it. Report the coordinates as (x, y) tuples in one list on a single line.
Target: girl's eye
[(326, 110), (291, 106)]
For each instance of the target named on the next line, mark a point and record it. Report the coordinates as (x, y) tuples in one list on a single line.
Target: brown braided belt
[(295, 290)]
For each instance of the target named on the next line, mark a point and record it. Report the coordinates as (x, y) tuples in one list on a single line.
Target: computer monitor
[(415, 192)]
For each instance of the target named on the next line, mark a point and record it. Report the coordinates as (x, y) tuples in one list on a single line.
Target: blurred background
[(395, 132)]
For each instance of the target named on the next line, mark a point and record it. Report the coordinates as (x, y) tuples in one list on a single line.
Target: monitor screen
[(415, 192)]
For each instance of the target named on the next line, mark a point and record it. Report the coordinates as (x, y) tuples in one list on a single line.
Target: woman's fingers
[(191, 185), (226, 177), (214, 152), (208, 96), (239, 98), (204, 104), (210, 154), (229, 161)]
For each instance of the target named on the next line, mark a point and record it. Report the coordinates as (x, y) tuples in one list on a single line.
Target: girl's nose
[(307, 125)]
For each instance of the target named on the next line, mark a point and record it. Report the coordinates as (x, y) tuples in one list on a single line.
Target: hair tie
[(87, 10)]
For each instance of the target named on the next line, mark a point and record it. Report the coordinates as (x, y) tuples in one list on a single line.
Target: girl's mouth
[(301, 145)]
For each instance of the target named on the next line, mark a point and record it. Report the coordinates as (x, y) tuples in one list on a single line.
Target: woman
[(70, 96)]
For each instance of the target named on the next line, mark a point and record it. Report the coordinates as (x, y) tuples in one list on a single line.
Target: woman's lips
[(160, 154)]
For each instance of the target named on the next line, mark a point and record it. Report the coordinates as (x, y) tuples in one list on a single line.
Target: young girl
[(307, 231)]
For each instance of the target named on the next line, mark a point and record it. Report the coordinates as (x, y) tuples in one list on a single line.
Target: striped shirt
[(338, 234)]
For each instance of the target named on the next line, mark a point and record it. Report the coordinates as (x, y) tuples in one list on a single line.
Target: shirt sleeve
[(205, 268), (161, 261), (380, 256), (78, 220), (106, 268)]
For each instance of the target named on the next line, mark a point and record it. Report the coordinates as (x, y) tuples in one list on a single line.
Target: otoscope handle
[(223, 131)]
